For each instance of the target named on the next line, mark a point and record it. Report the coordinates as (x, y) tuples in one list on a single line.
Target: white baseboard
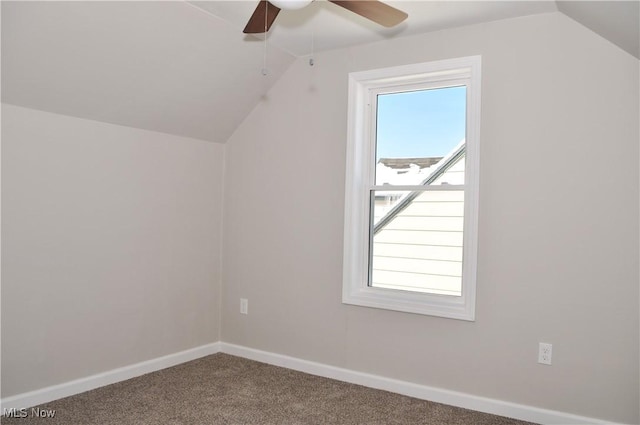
[(55, 392), (453, 398), (438, 395)]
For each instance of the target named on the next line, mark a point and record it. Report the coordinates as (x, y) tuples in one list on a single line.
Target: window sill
[(452, 307)]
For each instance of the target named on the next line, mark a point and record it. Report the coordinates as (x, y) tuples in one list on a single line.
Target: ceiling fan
[(374, 10)]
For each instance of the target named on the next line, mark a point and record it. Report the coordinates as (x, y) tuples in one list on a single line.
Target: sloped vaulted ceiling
[(163, 66), (617, 21), (185, 68)]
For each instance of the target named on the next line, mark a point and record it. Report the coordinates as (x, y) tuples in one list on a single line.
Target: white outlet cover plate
[(545, 351)]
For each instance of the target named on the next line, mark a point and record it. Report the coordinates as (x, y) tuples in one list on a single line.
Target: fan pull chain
[(313, 47), (265, 71)]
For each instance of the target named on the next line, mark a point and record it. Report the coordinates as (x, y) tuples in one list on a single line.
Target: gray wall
[(111, 242), (558, 235)]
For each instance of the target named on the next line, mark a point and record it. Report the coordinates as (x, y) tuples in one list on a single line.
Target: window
[(411, 203)]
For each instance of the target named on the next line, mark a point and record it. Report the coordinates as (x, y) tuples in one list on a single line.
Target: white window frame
[(363, 88)]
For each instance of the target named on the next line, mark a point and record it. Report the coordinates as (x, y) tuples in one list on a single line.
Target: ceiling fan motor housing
[(290, 4)]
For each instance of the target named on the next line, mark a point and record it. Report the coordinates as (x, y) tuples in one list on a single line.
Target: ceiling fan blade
[(262, 18), (375, 11)]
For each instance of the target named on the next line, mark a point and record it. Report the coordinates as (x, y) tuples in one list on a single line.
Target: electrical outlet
[(244, 306), (545, 351)]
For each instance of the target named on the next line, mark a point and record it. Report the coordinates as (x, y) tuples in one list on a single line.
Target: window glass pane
[(450, 170), (417, 241), (415, 130)]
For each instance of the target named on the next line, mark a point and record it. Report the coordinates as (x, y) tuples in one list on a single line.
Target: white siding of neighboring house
[(420, 249)]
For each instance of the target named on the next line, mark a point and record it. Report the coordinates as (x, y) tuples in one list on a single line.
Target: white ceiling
[(323, 25), (185, 68)]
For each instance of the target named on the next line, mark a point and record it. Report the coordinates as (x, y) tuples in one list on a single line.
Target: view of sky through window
[(420, 124)]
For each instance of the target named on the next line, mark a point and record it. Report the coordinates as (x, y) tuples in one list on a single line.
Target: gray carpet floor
[(223, 389)]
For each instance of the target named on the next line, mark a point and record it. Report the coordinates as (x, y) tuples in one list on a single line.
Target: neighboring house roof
[(442, 166), (400, 163)]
